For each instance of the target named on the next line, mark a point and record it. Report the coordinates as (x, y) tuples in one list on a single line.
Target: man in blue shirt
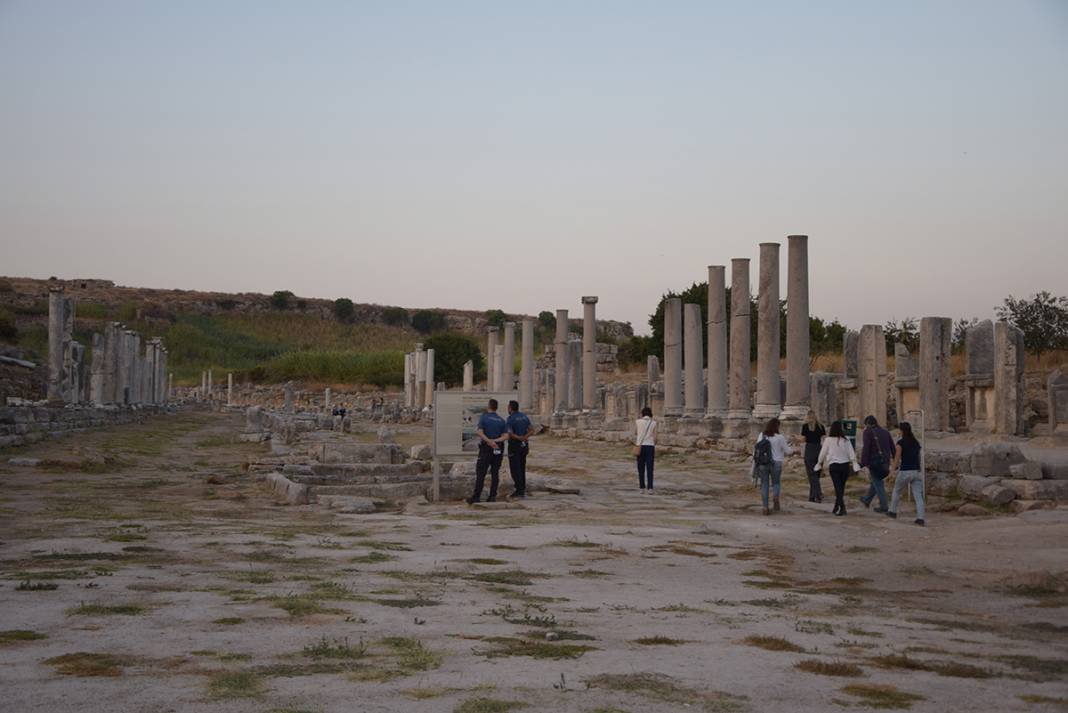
[(518, 437), (492, 433), (877, 453)]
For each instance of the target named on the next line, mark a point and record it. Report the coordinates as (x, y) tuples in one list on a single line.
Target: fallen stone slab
[(998, 495), (971, 487), (347, 504), (1031, 470), (1038, 489), (1018, 506), (294, 493), (972, 510), (995, 459), (1055, 471), (24, 462)]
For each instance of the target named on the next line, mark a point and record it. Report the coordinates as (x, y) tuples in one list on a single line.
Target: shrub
[(426, 321), (451, 351), (496, 318), (395, 316), (378, 368), (344, 310), (282, 299), (1043, 319), (8, 331)]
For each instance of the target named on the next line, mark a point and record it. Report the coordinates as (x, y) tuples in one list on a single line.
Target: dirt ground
[(144, 570)]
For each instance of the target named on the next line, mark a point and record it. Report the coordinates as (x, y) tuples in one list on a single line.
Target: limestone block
[(1055, 471), (1018, 506), (971, 487), (294, 493), (386, 435), (421, 452), (1038, 489), (943, 484), (1031, 470), (998, 494), (994, 459), (947, 462), (972, 510)]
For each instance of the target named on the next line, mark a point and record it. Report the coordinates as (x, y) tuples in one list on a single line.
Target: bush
[(1043, 319), (547, 320), (379, 368), (426, 321), (906, 331), (91, 310), (635, 350), (496, 318), (451, 352), (8, 331), (395, 316), (282, 299), (344, 310)]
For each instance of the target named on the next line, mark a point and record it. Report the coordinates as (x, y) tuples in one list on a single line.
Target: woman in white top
[(837, 453), (645, 442), (774, 451)]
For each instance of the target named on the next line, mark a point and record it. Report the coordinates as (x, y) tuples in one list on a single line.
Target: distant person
[(812, 434), (492, 433), (907, 464), (875, 455), (769, 453), (518, 448), (838, 455), (645, 448)]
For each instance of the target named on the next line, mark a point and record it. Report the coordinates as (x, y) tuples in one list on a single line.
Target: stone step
[(375, 490), (354, 469)]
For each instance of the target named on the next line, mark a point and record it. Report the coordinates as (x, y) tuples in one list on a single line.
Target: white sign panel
[(456, 415)]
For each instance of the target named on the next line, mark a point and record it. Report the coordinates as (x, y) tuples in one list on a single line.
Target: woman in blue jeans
[(771, 473), (645, 440), (907, 465)]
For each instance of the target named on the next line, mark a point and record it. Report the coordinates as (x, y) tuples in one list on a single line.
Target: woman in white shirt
[(837, 453), (645, 442), (774, 451)]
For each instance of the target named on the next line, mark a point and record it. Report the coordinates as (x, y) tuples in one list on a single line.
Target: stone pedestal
[(673, 357), (589, 353), (526, 367), (561, 378), (717, 398), (1057, 393), (694, 347), (420, 377), (469, 375), (60, 329), (871, 378), (1010, 394), (740, 403), (769, 346), (936, 335), (979, 377), (652, 370), (906, 382), (824, 396), (798, 391), (574, 374)]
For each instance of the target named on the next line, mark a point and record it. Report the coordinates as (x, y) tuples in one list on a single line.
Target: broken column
[(673, 405), (408, 380), (694, 347), (287, 391), (526, 367), (906, 382), (936, 334), (96, 371), (508, 368), (1057, 395), (560, 374), (420, 377), (428, 397), (1010, 394), (769, 345), (871, 377), (798, 389), (469, 375), (498, 365), (60, 326), (589, 353), (170, 386), (717, 342), (979, 377), (740, 404), (211, 383), (652, 369), (230, 391), (574, 374), (491, 359)]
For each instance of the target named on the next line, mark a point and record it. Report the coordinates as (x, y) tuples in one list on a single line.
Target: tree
[(904, 331), (496, 318), (960, 333), (1043, 319), (451, 352), (344, 310), (635, 351), (825, 337), (426, 321), (282, 299), (395, 316), (547, 320)]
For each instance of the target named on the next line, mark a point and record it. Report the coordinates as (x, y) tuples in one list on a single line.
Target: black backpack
[(762, 452)]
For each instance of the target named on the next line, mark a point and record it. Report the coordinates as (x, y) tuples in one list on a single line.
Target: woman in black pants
[(812, 433), (838, 455)]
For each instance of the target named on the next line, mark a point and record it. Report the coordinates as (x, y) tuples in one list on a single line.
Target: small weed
[(942, 668), (680, 609), (506, 547), (511, 646), (411, 654), (659, 641), (226, 685), (773, 643), (28, 586), (573, 542), (87, 664), (857, 550), (487, 561), (829, 668), (664, 688), (11, 636), (806, 626), (229, 621), (856, 631), (335, 649), (880, 696), (512, 616), (301, 605), (106, 610), (409, 603), (373, 558), (514, 577), (1044, 700), (382, 545)]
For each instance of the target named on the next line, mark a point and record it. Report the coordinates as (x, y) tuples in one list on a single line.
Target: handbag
[(636, 450)]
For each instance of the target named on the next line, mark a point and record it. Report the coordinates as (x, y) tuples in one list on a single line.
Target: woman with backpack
[(907, 465), (812, 434), (769, 453), (838, 454), (645, 447)]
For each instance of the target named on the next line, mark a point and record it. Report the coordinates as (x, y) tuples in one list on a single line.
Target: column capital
[(589, 300)]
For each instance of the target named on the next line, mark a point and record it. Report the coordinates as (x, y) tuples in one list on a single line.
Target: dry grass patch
[(951, 669), (660, 641), (512, 577), (830, 668), (87, 664), (664, 688), (13, 636), (229, 685), (107, 610), (503, 646), (773, 643), (881, 696)]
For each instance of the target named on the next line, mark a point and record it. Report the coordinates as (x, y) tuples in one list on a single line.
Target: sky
[(519, 155)]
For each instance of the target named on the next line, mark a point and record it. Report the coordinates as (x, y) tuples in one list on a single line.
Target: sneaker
[(775, 505), (519, 495), (471, 501), (767, 512), (891, 515), (880, 510), (919, 522), (866, 503)]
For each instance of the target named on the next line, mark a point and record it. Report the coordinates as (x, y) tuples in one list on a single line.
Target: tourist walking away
[(492, 432), (769, 453), (907, 464), (839, 457), (518, 447), (812, 434), (645, 448), (875, 455)]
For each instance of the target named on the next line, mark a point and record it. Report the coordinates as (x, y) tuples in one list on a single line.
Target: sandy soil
[(183, 586)]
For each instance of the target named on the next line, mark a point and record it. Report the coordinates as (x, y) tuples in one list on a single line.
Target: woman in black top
[(909, 474), (812, 433)]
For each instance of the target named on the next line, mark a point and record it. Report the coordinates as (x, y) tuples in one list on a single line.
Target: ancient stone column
[(287, 391), (549, 392), (652, 369), (430, 381), (694, 347), (798, 388), (526, 367), (491, 359), (1010, 394), (408, 380), (936, 335), (230, 389), (469, 375), (871, 373), (420, 376), (740, 403), (769, 345), (73, 381), (589, 353), (96, 371), (574, 374), (498, 365), (561, 375), (203, 384), (211, 384), (673, 357), (60, 311), (509, 357), (717, 342)]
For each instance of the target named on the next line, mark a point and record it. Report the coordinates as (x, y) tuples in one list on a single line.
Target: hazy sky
[(519, 155)]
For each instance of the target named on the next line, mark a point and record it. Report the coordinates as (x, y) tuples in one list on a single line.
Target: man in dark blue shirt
[(518, 437), (492, 433), (876, 454)]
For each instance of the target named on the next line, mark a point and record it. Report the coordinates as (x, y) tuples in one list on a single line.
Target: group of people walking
[(824, 450)]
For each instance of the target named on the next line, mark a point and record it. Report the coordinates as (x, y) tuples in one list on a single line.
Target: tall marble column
[(420, 376), (561, 375), (769, 345), (1010, 392), (491, 359), (717, 342), (798, 385), (498, 365), (574, 374), (936, 335), (469, 375), (673, 357), (871, 373), (694, 347), (589, 353), (58, 339), (509, 357), (428, 397), (740, 403), (526, 367), (408, 380), (96, 371)]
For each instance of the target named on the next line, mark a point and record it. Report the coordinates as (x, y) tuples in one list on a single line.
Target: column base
[(766, 411), (673, 412), (719, 413), (739, 414), (795, 412), (693, 413)]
